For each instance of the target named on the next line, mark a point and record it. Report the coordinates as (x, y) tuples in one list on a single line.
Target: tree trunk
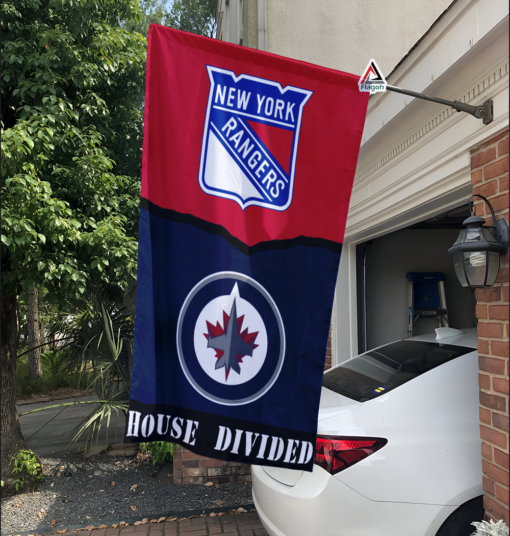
[(12, 439), (34, 339)]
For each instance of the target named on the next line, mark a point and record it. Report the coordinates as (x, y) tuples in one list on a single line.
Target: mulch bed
[(78, 490)]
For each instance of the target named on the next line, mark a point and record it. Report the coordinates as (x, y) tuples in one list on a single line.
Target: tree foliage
[(195, 16), (72, 87)]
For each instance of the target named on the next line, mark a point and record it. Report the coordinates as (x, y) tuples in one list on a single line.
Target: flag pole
[(484, 111)]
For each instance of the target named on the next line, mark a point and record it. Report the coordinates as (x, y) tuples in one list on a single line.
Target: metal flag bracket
[(484, 111)]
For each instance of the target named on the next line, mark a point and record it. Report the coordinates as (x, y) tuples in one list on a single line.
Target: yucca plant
[(110, 369), (99, 343)]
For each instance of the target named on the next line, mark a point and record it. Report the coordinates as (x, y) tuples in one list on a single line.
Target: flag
[(247, 170)]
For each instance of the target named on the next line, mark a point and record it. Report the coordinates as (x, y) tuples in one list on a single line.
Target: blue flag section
[(248, 164), (226, 341)]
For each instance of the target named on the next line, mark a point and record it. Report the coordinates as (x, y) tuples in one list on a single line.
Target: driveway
[(51, 431)]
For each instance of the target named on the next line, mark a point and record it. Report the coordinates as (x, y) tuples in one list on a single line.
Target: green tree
[(152, 12), (195, 16), (72, 120)]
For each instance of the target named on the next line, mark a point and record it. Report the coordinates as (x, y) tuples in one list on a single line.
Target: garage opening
[(382, 286)]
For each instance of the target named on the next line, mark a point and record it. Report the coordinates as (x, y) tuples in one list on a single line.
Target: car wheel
[(459, 523)]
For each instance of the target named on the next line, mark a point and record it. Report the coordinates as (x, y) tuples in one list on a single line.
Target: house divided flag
[(248, 166)]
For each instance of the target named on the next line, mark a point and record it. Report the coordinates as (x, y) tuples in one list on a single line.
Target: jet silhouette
[(231, 344)]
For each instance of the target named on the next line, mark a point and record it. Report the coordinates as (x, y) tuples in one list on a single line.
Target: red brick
[(480, 208), (193, 471), (481, 312), (492, 401), (193, 531), (488, 485), (500, 385), (492, 141), (502, 494), (483, 157), (503, 184), (485, 416), (483, 346), (490, 330), (497, 312), (502, 276), (188, 455), (191, 463), (490, 364), (495, 473), (493, 436), (486, 189), (487, 451), (499, 348), (503, 147), (495, 170), (501, 458), (476, 177), (491, 294), (500, 421), (211, 463), (484, 382), (495, 509), (506, 293)]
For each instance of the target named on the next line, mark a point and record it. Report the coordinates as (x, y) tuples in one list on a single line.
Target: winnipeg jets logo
[(231, 345), (251, 138)]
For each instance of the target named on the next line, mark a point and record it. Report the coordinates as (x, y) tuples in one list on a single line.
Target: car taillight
[(334, 454)]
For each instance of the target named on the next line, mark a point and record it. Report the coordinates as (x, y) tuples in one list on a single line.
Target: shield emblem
[(250, 140)]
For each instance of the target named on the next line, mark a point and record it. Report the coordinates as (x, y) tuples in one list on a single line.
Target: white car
[(398, 447)]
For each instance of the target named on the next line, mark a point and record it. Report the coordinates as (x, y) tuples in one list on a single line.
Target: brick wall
[(489, 176), (191, 468)]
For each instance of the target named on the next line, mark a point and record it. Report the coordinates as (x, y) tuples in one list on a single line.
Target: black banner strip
[(223, 438), (178, 217)]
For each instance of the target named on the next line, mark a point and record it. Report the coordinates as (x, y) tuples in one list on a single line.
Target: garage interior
[(382, 287)]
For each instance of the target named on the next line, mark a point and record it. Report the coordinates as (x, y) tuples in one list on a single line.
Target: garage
[(383, 267)]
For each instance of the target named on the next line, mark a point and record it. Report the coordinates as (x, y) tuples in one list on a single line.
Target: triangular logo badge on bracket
[(372, 80)]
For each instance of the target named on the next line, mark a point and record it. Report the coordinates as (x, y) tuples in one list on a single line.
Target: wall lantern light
[(478, 248)]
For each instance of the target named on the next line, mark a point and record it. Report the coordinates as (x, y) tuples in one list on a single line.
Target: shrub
[(484, 528), (161, 451), (26, 468)]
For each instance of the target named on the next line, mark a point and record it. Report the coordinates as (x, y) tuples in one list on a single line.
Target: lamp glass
[(475, 265), (459, 269), (474, 235), (493, 268)]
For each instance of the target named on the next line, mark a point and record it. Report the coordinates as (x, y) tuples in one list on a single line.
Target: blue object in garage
[(426, 297)]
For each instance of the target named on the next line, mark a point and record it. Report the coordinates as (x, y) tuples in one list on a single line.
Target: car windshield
[(369, 375)]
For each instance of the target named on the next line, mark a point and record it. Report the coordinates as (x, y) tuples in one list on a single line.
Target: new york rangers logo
[(230, 339), (250, 140)]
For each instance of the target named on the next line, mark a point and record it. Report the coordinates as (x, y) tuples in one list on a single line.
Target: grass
[(55, 377)]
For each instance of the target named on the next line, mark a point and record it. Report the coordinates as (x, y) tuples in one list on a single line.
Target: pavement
[(245, 524), (49, 432)]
